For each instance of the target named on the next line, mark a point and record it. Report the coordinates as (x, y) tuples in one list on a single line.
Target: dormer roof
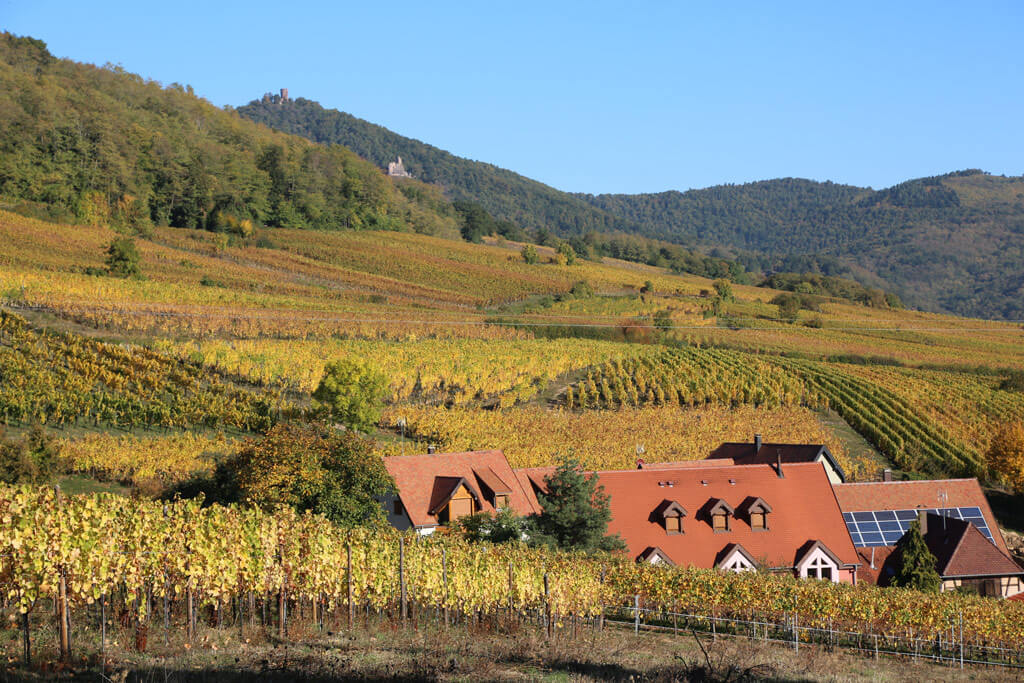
[(718, 506), (670, 508), (755, 504), (445, 488)]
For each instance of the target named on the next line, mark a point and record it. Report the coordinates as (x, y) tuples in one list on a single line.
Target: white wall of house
[(833, 475), (814, 566)]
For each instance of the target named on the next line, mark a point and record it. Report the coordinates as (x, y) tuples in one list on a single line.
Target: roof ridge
[(716, 468), (911, 481)]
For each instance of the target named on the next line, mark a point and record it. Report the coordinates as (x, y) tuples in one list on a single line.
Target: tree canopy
[(310, 467), (351, 392), (915, 564)]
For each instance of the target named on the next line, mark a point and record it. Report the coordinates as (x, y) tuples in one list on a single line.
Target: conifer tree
[(575, 512), (915, 563)]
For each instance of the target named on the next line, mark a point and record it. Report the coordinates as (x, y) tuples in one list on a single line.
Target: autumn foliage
[(1006, 454)]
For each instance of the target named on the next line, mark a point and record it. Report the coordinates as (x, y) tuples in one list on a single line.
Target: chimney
[(757, 443), (431, 449), (639, 463), (922, 517), (886, 474), (778, 463)]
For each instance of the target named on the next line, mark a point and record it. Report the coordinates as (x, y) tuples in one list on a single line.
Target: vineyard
[(897, 428), (690, 377), (970, 406), (80, 550), (532, 436), (62, 380), (167, 459), (448, 370)]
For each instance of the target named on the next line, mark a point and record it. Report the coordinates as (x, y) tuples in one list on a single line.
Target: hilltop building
[(396, 169), (284, 95)]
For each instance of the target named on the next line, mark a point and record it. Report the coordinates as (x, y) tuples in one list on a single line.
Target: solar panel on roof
[(875, 528)]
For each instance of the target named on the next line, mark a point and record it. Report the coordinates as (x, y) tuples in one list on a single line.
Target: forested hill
[(505, 194), (98, 145), (951, 243)]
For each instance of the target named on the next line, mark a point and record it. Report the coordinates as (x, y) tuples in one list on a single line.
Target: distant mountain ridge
[(949, 243)]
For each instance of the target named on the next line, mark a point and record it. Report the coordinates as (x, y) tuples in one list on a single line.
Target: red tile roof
[(424, 482), (804, 510), (684, 464), (531, 479), (748, 454), (907, 495), (961, 550)]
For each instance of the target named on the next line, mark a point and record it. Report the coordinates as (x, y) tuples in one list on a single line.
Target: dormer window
[(721, 514), (495, 491), (453, 498), (757, 512), (735, 558), (818, 562), (672, 514)]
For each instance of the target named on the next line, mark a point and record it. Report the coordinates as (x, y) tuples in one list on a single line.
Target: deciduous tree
[(351, 393), (1006, 454)]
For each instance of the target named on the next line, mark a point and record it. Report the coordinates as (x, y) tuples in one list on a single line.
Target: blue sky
[(605, 96)]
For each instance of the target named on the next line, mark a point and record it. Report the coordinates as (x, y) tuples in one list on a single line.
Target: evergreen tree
[(123, 257), (575, 512), (529, 254), (915, 566)]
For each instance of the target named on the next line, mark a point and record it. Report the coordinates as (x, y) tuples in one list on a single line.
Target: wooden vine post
[(401, 579), (444, 581), (547, 606), (63, 618), (348, 581)]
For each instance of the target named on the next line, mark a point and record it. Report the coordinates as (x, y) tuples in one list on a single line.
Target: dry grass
[(380, 649)]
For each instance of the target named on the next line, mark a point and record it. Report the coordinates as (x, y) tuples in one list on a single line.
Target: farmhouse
[(768, 507), (436, 489), (957, 524), (732, 517)]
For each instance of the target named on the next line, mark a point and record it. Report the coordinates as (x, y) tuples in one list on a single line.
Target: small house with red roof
[(435, 489), (957, 524)]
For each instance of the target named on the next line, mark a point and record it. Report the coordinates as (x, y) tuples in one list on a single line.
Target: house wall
[(833, 476), (1007, 586), (400, 522)]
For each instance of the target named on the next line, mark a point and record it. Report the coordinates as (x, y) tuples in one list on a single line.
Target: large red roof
[(803, 506), (907, 495), (424, 481)]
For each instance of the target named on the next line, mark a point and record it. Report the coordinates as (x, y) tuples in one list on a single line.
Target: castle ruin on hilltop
[(396, 169)]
